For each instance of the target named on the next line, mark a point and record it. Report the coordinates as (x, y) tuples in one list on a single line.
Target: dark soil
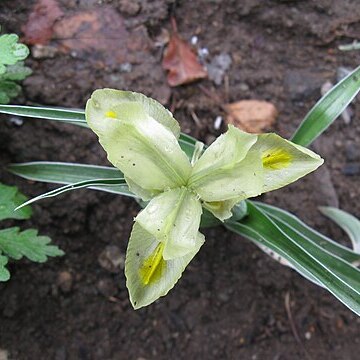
[(229, 303)]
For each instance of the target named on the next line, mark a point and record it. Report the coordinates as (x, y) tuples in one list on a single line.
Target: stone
[(112, 259), (65, 281), (44, 51), (129, 7), (218, 67)]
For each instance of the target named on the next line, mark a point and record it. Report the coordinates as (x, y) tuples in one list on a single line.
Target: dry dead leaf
[(39, 26), (251, 115), (181, 62)]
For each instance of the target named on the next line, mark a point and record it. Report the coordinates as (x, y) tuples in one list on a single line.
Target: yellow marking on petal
[(110, 114), (152, 267), (276, 159), (216, 205)]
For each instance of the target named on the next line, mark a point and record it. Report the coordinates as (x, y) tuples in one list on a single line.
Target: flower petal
[(221, 209), (148, 274), (109, 99), (228, 171), (173, 217), (283, 161), (145, 150), (223, 154)]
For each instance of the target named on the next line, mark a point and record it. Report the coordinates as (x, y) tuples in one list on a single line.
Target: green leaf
[(148, 275), (75, 117), (349, 223), (10, 198), (63, 173), (327, 109), (333, 273), (8, 90), (321, 240), (352, 277), (4, 272), (16, 72), (355, 45), (28, 243), (10, 51), (115, 186)]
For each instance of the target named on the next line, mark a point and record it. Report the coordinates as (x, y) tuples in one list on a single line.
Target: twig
[(195, 118), (293, 326)]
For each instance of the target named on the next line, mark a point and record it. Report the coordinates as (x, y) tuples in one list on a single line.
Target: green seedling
[(15, 243), (12, 67)]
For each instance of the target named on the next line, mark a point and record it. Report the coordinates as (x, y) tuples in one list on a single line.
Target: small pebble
[(194, 40), (15, 120), (125, 67), (308, 335), (65, 281), (43, 51), (244, 87), (130, 7), (112, 259), (217, 123), (203, 53)]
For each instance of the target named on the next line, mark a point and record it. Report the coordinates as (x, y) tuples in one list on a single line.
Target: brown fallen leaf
[(38, 29), (181, 61), (251, 115)]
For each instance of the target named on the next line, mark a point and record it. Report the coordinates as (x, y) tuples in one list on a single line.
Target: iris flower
[(140, 138)]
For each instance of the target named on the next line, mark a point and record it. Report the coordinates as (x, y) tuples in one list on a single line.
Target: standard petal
[(109, 99), (148, 275), (283, 161), (223, 154), (145, 150), (235, 182), (173, 217)]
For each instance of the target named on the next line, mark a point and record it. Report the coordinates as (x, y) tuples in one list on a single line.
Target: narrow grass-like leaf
[(355, 45), (63, 173), (300, 227), (349, 223), (327, 109), (49, 113), (337, 276), (116, 186)]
